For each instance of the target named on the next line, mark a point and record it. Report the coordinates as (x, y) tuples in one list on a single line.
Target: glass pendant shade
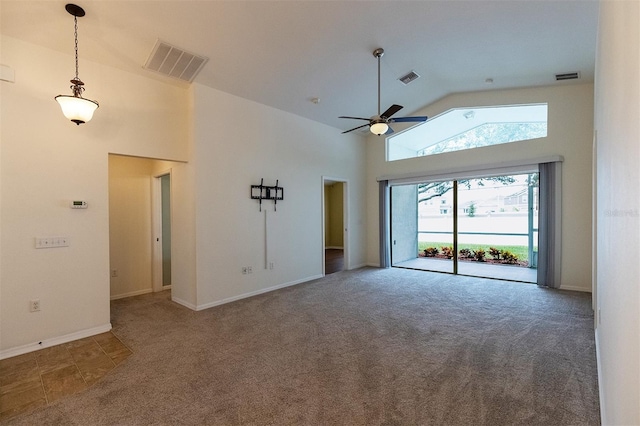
[(77, 109), (379, 128)]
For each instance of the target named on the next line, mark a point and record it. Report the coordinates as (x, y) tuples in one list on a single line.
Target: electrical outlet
[(249, 270), (244, 270), (34, 305), (114, 273), (270, 265)]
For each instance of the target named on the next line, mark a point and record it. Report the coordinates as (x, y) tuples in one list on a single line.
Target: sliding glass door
[(483, 227), (422, 226)]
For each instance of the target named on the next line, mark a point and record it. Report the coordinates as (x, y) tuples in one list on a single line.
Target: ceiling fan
[(379, 124)]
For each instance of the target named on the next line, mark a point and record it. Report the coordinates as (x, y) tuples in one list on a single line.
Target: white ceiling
[(284, 53)]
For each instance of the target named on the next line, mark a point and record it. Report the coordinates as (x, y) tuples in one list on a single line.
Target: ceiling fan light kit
[(379, 124), (379, 128), (76, 108)]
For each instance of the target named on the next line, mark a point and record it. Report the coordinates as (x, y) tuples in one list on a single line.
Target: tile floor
[(39, 378)]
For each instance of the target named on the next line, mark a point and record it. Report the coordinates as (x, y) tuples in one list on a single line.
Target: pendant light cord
[(77, 87), (75, 34)]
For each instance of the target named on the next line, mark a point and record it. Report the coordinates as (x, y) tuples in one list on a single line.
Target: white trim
[(250, 294), (475, 171), (574, 288), (600, 380), (184, 303), (46, 343), (594, 226), (131, 293), (361, 265)]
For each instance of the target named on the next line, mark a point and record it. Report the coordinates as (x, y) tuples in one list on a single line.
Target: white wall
[(183, 231), (48, 161), (618, 211), (238, 142), (569, 134)]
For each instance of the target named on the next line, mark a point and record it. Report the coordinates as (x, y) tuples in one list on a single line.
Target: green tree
[(427, 191), (488, 134), (472, 210)]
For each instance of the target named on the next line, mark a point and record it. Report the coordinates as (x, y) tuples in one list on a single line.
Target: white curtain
[(549, 224), (385, 252)]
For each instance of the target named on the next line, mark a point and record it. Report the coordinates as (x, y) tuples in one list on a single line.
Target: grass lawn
[(521, 251)]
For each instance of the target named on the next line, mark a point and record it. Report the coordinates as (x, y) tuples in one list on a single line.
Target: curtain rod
[(480, 168)]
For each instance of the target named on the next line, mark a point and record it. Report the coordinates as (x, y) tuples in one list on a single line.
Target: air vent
[(567, 76), (174, 62), (406, 79)]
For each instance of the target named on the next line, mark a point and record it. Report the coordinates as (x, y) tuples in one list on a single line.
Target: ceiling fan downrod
[(378, 53), (379, 124)]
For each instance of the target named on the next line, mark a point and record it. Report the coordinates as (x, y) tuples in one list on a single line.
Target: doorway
[(334, 229), (162, 231), (136, 231)]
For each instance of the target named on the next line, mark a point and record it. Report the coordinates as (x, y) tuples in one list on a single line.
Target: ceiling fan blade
[(409, 119), (355, 128), (391, 110), (355, 118)]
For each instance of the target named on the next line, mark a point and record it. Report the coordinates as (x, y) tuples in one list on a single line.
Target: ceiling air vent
[(174, 62), (567, 76), (408, 78)]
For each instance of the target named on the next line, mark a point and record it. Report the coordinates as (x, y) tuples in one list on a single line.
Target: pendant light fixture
[(75, 107)]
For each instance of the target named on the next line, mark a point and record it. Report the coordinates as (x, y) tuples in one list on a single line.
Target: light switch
[(51, 242)]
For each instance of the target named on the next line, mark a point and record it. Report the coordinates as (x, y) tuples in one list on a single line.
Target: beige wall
[(617, 211), (48, 161), (570, 128)]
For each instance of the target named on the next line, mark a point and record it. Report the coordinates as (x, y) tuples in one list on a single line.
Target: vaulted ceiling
[(285, 53)]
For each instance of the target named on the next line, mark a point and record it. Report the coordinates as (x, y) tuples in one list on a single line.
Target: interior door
[(165, 213), (161, 196)]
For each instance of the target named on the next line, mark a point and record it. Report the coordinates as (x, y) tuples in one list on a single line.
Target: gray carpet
[(365, 347)]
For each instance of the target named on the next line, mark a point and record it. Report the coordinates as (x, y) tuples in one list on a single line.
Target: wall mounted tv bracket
[(262, 192)]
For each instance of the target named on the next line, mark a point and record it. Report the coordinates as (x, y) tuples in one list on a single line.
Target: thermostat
[(79, 205)]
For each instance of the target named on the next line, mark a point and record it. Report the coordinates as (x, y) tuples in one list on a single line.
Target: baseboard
[(574, 288), (46, 343), (600, 381), (131, 293), (184, 303), (255, 293), (375, 265), (358, 266)]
